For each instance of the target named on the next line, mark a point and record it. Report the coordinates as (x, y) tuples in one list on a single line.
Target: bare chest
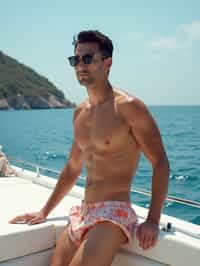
[(102, 130)]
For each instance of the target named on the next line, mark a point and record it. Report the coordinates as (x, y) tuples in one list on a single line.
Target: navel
[(107, 142)]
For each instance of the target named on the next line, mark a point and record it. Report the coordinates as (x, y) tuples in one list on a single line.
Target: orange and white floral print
[(83, 217)]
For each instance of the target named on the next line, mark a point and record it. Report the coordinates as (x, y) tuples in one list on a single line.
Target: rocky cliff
[(22, 88)]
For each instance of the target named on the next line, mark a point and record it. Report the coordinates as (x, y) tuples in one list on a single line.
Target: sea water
[(44, 137)]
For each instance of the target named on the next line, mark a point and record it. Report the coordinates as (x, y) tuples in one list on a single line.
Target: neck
[(99, 94)]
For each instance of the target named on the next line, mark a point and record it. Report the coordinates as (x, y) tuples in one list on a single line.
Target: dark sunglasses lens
[(87, 59), (73, 60)]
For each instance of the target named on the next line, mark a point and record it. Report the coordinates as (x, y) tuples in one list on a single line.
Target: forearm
[(65, 183), (159, 190)]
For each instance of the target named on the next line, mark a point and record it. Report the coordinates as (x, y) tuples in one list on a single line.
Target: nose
[(81, 66)]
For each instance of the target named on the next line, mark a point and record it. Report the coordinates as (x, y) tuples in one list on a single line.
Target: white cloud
[(190, 32), (186, 35)]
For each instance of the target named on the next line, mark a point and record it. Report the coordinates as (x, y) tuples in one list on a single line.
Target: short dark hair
[(103, 41)]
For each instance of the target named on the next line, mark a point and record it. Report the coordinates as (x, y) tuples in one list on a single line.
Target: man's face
[(89, 74)]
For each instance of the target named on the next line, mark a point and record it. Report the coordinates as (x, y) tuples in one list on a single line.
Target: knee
[(57, 261)]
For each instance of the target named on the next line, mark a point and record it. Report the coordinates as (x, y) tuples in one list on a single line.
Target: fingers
[(154, 239), (147, 242), (29, 218), (146, 236), (21, 218), (36, 221)]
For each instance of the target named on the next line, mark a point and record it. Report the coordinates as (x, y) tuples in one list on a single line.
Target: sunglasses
[(76, 59)]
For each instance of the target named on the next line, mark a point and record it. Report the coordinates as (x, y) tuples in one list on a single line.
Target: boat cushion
[(19, 196)]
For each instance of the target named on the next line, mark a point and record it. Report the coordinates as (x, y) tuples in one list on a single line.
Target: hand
[(29, 218), (147, 234)]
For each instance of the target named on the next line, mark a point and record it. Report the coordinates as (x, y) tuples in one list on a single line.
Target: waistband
[(110, 203)]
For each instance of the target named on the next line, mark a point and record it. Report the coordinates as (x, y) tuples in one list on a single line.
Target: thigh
[(65, 250), (99, 246)]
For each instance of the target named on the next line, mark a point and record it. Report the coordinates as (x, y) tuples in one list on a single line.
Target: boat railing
[(169, 198)]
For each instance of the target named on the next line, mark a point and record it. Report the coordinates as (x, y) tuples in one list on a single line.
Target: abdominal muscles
[(109, 175)]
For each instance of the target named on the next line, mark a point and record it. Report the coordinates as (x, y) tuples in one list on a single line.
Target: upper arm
[(144, 129), (75, 160)]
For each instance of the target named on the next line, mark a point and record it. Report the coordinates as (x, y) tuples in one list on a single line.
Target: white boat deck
[(22, 244)]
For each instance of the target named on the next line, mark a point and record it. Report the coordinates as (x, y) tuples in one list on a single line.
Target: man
[(111, 129)]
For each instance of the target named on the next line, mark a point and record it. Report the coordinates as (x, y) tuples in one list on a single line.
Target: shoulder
[(79, 108), (130, 107), (137, 115)]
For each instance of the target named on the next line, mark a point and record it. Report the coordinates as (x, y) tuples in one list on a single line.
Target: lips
[(83, 73)]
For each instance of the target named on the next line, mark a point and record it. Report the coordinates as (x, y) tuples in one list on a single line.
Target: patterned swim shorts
[(84, 217)]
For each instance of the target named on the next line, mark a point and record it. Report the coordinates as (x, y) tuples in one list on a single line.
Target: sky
[(156, 44)]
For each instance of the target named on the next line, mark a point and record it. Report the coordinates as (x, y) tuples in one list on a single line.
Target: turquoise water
[(44, 137)]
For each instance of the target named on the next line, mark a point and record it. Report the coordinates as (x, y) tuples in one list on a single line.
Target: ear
[(108, 62)]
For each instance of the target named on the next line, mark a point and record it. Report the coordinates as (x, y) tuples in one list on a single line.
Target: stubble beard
[(85, 81)]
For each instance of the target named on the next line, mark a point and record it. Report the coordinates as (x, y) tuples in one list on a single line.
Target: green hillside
[(17, 80)]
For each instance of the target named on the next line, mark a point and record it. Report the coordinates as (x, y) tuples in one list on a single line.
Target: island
[(22, 88)]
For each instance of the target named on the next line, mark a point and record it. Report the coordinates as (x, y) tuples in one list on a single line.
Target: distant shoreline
[(35, 109)]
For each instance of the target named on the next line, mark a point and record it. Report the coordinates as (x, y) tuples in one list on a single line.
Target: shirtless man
[(111, 129)]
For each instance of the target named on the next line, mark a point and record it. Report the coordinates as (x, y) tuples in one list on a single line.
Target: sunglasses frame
[(74, 60)]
